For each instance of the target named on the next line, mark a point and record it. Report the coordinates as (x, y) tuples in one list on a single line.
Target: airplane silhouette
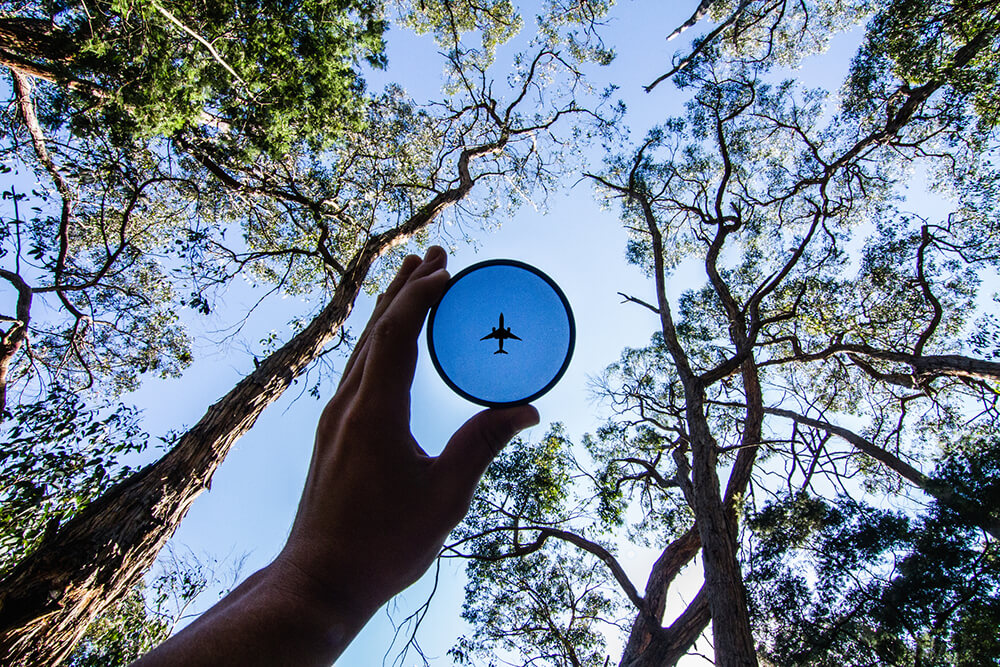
[(501, 334)]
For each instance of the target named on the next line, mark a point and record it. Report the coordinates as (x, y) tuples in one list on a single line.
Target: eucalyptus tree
[(827, 362), (257, 76), (313, 223), (103, 96), (938, 604), (313, 217)]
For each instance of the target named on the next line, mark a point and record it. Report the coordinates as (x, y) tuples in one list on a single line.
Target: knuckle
[(383, 330)]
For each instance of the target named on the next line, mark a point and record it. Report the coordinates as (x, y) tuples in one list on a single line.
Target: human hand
[(376, 508)]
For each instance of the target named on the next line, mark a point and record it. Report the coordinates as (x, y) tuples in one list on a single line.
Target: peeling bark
[(723, 579), (12, 339)]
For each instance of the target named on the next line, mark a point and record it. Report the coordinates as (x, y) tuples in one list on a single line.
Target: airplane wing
[(510, 335), (490, 335)]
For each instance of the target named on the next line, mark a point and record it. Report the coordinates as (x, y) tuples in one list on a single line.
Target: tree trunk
[(35, 47), (50, 597), (649, 644), (12, 339), (35, 39), (723, 579)]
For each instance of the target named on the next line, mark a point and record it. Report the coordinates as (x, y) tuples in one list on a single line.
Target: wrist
[(276, 617), (333, 595)]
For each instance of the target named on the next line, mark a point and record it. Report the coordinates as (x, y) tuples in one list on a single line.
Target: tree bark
[(12, 339), (40, 49), (727, 603), (648, 641), (924, 368), (48, 600), (649, 644), (716, 524), (35, 39), (666, 646)]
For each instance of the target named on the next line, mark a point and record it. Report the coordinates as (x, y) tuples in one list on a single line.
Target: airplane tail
[(500, 352)]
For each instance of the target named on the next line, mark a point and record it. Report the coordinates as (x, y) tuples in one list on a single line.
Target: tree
[(340, 211), (875, 586), (149, 613), (781, 31), (156, 69), (824, 361), (105, 96), (59, 454), (547, 598)]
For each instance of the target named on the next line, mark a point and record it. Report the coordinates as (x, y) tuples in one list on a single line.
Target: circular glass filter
[(502, 333)]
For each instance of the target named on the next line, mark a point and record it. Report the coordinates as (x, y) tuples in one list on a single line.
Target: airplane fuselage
[(501, 334)]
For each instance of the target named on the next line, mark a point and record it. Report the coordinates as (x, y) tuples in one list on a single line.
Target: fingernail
[(527, 419), (435, 254)]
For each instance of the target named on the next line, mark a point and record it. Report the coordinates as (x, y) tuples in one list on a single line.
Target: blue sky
[(582, 247)]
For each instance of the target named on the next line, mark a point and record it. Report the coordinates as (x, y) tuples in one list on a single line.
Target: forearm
[(272, 618)]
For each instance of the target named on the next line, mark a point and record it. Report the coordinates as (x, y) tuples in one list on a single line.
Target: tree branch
[(201, 40), (14, 337), (22, 89), (945, 494), (545, 532), (703, 43)]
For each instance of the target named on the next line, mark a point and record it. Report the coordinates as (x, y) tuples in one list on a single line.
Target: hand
[(376, 508)]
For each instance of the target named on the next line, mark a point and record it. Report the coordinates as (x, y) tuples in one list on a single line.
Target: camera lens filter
[(502, 333)]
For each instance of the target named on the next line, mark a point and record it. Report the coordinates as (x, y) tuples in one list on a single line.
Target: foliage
[(495, 21), (58, 455), (911, 44), (554, 600), (320, 221), (147, 615), (861, 585), (265, 75), (120, 110), (123, 318), (121, 635), (820, 366)]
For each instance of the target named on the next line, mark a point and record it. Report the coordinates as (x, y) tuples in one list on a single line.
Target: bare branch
[(201, 40), (703, 43), (942, 492)]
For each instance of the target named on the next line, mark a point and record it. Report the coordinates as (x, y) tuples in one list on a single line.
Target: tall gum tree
[(333, 214), (96, 90), (809, 360)]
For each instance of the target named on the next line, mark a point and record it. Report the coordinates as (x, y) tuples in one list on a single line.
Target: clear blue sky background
[(254, 494)]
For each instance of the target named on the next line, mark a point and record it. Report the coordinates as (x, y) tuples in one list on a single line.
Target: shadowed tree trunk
[(12, 339), (38, 48), (48, 600)]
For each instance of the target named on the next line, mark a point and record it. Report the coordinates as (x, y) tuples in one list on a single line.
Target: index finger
[(410, 264), (392, 353)]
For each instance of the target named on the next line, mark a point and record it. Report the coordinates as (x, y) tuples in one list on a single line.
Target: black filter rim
[(569, 316)]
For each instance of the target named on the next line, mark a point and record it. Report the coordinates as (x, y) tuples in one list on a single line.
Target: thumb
[(474, 445)]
